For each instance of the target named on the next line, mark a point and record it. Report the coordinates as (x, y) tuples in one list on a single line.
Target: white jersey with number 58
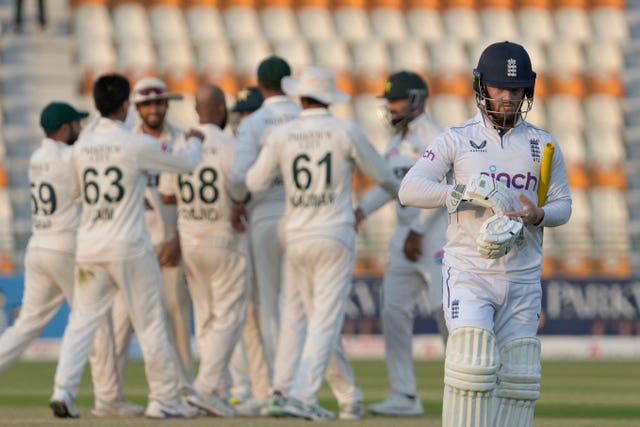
[(316, 154), (110, 165)]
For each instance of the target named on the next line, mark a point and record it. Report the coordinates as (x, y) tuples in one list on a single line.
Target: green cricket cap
[(55, 114)]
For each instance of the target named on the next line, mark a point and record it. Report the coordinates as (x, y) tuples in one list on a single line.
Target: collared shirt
[(202, 197), (111, 165), (161, 219), (54, 203), (268, 203), (514, 158), (316, 154)]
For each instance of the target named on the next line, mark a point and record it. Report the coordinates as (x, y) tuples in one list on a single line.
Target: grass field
[(574, 394)]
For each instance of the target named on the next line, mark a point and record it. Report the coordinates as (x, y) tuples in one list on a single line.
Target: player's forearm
[(556, 213), (377, 198), (422, 192)]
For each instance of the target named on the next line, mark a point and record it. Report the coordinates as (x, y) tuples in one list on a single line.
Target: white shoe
[(313, 412), (63, 405), (352, 411), (121, 408), (157, 409), (211, 404), (253, 407), (397, 404)]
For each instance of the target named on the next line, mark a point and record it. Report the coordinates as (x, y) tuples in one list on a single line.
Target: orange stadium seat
[(214, 64), (315, 20), (136, 59), (4, 181), (424, 20), (95, 57), (535, 20), (334, 54), (278, 20), (241, 20), (461, 20), (249, 53), (351, 20), (574, 150), (607, 156), (204, 21), (387, 19), (608, 20), (295, 51), (498, 19), (91, 21), (571, 20), (130, 22), (167, 23), (410, 54), (565, 69), (370, 65), (574, 239)]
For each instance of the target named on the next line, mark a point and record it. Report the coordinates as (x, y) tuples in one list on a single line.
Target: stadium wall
[(582, 319)]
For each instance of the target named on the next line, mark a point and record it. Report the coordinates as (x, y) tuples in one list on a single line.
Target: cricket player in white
[(415, 250), (493, 255), (316, 154), (50, 257), (248, 367), (151, 99), (114, 250), (215, 255), (266, 208)]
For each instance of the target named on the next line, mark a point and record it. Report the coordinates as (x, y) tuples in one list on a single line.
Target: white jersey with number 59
[(316, 154), (54, 205), (204, 205), (110, 165)]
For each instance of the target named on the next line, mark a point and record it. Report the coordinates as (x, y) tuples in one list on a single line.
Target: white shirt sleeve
[(371, 162), (424, 186), (265, 169), (151, 157), (246, 154), (377, 198)]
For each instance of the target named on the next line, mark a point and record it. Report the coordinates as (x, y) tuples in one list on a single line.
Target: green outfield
[(574, 394)]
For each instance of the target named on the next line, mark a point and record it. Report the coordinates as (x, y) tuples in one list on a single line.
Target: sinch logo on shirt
[(518, 181)]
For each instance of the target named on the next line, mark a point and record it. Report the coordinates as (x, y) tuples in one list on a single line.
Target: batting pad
[(470, 374), (518, 382)]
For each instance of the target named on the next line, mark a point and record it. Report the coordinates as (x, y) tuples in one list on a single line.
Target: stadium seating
[(587, 90)]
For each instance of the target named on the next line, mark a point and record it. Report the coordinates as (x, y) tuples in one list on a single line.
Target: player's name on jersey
[(199, 214), (312, 200), (309, 139), (103, 214), (99, 153), (38, 168), (41, 224)]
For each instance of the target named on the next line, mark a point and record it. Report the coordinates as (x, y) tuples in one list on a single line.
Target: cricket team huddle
[(253, 233)]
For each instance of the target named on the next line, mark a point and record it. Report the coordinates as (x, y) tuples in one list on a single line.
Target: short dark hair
[(110, 91)]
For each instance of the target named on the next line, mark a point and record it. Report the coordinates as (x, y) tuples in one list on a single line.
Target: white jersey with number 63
[(110, 165)]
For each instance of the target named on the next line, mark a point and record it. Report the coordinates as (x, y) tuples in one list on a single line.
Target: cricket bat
[(545, 173)]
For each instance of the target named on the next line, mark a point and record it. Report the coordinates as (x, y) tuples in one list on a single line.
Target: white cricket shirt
[(202, 197), (111, 165), (316, 154), (269, 203), (161, 219), (514, 158), (54, 201)]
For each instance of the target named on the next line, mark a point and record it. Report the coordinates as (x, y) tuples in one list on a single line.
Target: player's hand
[(482, 190), (239, 217), (360, 216), (170, 253), (195, 133), (530, 213), (413, 246)]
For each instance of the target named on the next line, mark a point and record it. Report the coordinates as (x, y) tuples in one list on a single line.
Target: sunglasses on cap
[(151, 90)]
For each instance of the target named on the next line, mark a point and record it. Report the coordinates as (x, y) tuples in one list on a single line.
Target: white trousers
[(49, 277), (404, 284), (178, 311), (267, 258), (319, 274), (96, 285), (510, 310), (248, 367), (218, 281)]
